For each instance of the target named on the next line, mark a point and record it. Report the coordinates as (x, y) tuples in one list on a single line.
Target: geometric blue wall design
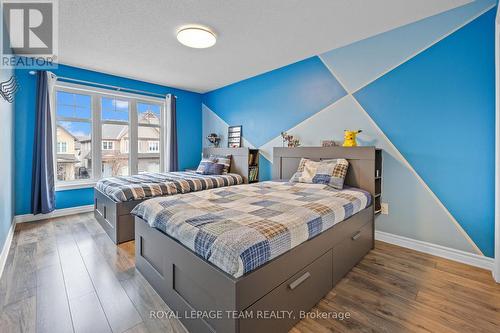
[(407, 217), (432, 112), (291, 94), (436, 111), (359, 63)]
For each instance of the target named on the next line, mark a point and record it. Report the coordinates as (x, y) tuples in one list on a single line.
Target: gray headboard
[(239, 159), (361, 171)]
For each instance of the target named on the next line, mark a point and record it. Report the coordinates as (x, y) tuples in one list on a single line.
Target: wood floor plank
[(489, 320), (405, 314), (119, 309), (399, 271), (8, 271), (65, 274), (52, 308), (22, 280), (88, 315), (147, 300), (90, 223), (405, 265), (19, 316), (465, 271), (76, 277), (119, 260), (141, 328)]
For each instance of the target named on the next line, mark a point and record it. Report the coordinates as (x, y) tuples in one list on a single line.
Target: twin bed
[(114, 198), (250, 258)]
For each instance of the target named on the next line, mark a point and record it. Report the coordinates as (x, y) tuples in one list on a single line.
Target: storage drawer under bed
[(298, 293), (350, 251), (114, 218), (303, 289)]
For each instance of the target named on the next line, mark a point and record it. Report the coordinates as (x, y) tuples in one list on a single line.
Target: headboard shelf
[(363, 165), (244, 161)]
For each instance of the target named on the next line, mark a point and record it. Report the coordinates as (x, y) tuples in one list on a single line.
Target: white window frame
[(133, 123)]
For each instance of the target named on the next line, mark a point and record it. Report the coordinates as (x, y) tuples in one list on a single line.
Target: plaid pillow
[(204, 162), (212, 168), (302, 163), (224, 160), (328, 172)]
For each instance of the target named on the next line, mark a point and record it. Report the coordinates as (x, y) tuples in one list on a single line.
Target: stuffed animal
[(350, 138)]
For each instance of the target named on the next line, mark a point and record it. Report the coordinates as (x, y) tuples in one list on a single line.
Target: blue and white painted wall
[(424, 92)]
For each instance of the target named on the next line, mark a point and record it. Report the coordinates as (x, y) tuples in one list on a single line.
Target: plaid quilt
[(151, 184), (240, 228)]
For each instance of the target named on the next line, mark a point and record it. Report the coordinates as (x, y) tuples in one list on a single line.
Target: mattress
[(152, 184), (240, 228)]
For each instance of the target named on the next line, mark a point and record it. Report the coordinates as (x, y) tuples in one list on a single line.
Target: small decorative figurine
[(289, 140), (350, 138), (328, 143), (213, 139)]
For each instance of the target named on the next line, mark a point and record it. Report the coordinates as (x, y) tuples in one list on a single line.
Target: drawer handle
[(104, 212), (356, 236), (95, 203), (299, 281)]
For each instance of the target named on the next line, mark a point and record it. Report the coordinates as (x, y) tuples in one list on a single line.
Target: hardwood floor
[(65, 275)]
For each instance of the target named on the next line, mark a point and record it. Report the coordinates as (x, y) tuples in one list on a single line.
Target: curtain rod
[(142, 92)]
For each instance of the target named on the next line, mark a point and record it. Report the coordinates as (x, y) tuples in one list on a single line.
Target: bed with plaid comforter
[(240, 228), (152, 184)]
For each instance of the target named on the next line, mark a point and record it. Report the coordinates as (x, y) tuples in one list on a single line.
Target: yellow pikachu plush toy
[(350, 138)]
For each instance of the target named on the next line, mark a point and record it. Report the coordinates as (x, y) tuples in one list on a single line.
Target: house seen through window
[(83, 116)]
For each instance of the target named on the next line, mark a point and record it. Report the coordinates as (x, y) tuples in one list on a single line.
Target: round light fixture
[(196, 37)]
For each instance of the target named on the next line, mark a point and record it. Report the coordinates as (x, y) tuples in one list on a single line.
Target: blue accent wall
[(438, 109), (278, 99), (188, 133), (430, 106), (74, 198)]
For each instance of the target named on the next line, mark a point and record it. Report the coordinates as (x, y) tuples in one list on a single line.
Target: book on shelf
[(252, 159), (253, 174)]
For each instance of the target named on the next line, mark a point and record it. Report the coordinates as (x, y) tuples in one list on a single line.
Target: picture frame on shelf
[(234, 136), (328, 143)]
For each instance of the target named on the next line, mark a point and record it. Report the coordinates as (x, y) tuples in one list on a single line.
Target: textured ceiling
[(136, 38)]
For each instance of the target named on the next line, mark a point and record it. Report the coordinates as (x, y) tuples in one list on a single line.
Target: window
[(115, 126), (149, 119), (73, 127), (95, 126), (107, 145), (62, 147), (154, 146)]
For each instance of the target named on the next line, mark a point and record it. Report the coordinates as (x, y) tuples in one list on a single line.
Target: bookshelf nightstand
[(245, 161)]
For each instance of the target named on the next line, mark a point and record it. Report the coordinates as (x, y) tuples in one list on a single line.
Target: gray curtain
[(42, 188), (172, 158)]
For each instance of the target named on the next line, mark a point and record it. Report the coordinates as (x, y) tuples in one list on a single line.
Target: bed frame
[(115, 217), (203, 296)]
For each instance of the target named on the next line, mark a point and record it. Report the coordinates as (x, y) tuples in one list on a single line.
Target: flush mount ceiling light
[(196, 37)]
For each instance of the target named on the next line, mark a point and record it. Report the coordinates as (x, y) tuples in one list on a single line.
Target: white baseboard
[(437, 250), (55, 213), (6, 247)]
